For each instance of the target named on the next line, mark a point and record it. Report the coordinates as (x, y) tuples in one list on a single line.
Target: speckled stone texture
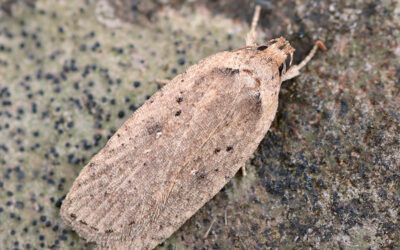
[(327, 174)]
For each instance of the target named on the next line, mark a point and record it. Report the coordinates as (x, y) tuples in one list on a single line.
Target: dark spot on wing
[(83, 222), (257, 97), (178, 113), (282, 46), (217, 150), (248, 71), (94, 228), (201, 175), (108, 231), (272, 42), (155, 128), (229, 71), (258, 82), (179, 99), (229, 148), (199, 80), (73, 216), (263, 47)]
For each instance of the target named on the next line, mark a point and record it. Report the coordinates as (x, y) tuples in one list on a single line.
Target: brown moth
[(181, 147)]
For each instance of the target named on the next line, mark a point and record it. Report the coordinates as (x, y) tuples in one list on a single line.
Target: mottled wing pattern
[(173, 155)]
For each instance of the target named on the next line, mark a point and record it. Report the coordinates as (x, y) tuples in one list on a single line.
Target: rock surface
[(327, 174)]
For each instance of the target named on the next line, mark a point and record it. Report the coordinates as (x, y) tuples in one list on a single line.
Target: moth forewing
[(178, 150), (209, 120)]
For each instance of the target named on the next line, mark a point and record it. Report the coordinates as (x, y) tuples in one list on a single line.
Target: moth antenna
[(252, 35), (317, 45), (295, 69)]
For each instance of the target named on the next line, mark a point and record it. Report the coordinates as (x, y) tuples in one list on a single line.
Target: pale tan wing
[(213, 165), (167, 160)]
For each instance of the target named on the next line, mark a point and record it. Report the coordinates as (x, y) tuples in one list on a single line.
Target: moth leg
[(244, 173), (252, 35), (295, 69)]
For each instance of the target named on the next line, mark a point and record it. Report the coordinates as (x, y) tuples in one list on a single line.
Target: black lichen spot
[(121, 114), (19, 204), (108, 231), (344, 107), (132, 107), (43, 218), (229, 148), (261, 48), (179, 99), (181, 61), (59, 201), (94, 228), (178, 113), (73, 216), (217, 150), (63, 237)]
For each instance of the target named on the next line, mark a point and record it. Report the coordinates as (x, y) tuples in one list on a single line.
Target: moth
[(181, 147)]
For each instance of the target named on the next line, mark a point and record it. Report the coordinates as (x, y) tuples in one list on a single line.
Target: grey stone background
[(327, 174)]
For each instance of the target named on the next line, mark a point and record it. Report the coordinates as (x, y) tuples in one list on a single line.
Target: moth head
[(279, 52)]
